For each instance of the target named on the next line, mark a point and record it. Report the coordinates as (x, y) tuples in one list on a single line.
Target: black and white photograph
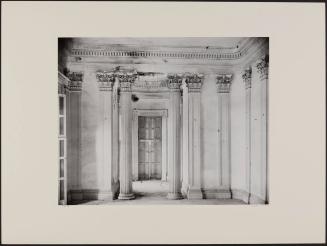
[(163, 120)]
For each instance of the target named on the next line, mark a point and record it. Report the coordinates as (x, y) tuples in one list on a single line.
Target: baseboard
[(246, 197), (91, 194), (254, 199), (240, 195), (216, 194)]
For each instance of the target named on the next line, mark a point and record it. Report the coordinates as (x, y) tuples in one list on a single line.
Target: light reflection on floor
[(155, 192)]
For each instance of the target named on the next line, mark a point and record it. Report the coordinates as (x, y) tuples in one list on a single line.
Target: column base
[(123, 196), (194, 194), (174, 196), (184, 189)]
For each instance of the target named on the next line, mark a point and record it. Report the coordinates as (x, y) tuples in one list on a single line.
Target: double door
[(150, 144)]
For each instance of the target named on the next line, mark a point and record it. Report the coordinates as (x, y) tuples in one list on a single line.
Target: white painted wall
[(209, 133), (237, 99)]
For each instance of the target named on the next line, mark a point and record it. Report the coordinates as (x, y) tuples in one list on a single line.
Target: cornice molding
[(247, 76), (224, 82), (174, 53), (263, 67)]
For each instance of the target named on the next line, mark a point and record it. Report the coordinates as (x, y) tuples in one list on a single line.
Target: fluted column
[(74, 139), (105, 84), (247, 76), (185, 149), (263, 69), (194, 83), (174, 159), (125, 157), (223, 86), (115, 134)]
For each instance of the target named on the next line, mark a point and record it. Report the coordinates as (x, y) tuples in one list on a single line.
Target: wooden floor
[(155, 192)]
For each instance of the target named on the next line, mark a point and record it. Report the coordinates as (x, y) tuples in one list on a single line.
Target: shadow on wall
[(64, 45)]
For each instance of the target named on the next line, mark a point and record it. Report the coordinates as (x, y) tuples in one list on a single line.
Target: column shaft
[(247, 80), (185, 140), (194, 191), (174, 145), (224, 176), (125, 131)]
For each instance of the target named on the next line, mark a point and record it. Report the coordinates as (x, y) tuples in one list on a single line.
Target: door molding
[(149, 112)]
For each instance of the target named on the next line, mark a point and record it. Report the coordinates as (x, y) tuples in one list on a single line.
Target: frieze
[(263, 67)]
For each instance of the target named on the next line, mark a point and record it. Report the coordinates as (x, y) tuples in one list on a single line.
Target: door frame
[(163, 113)]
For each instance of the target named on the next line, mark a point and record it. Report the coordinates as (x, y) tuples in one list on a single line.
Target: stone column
[(247, 75), (115, 134), (174, 158), (105, 83), (223, 86), (75, 88), (125, 153), (185, 161), (263, 68), (194, 84)]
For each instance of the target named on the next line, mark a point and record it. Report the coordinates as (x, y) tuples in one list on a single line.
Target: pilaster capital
[(224, 82), (174, 81), (126, 80), (194, 82), (263, 67), (105, 80), (247, 77), (75, 80)]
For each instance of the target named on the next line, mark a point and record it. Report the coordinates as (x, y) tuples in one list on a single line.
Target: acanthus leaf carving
[(224, 82)]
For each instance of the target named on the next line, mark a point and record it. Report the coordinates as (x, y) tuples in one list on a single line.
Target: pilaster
[(194, 83), (247, 76), (74, 136), (174, 158), (223, 89), (263, 70)]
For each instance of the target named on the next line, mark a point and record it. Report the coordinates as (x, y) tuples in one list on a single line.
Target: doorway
[(150, 148)]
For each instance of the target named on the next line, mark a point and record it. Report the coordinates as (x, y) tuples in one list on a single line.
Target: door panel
[(149, 161)]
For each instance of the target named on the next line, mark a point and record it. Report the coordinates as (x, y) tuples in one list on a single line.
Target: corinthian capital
[(224, 82), (105, 80), (126, 80), (263, 67), (75, 81), (174, 81), (247, 76), (194, 82)]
